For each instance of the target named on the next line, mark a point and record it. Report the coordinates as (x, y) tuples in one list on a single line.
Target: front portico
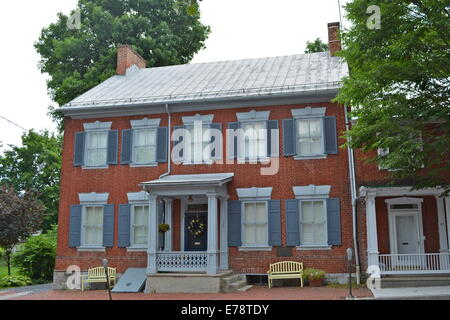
[(202, 196)]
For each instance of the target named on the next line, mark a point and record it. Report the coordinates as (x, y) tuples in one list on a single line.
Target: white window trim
[(314, 246), (254, 194), (204, 119), (311, 192), (144, 124), (254, 247), (137, 199), (92, 199), (96, 126), (253, 116), (309, 113), (133, 246), (84, 247)]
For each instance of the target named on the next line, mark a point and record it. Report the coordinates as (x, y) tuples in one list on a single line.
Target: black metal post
[(105, 265)]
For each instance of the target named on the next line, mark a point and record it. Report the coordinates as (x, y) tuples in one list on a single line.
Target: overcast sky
[(240, 29)]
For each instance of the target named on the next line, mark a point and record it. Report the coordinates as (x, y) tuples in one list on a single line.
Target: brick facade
[(117, 180)]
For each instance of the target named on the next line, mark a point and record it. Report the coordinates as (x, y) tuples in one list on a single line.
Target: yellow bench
[(98, 275), (285, 270)]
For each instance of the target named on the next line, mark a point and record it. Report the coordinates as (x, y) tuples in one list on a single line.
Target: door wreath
[(196, 227)]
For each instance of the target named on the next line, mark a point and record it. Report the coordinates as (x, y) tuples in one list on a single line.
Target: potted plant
[(315, 277)]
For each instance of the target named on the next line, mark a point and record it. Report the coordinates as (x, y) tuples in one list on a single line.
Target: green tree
[(36, 257), (399, 87), (316, 46), (77, 59), (35, 165), (20, 217)]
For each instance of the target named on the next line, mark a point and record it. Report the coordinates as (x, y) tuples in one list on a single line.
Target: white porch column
[(152, 235), (223, 233), (168, 220), (443, 244), (447, 210), (372, 235), (212, 234)]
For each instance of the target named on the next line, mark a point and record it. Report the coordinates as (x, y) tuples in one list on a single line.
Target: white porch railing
[(414, 263), (182, 261)]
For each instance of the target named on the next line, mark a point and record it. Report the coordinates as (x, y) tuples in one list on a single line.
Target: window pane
[(319, 233), (315, 128), (250, 234), (307, 212), (249, 212), (140, 225), (303, 128), (319, 212), (260, 214), (316, 146), (307, 234)]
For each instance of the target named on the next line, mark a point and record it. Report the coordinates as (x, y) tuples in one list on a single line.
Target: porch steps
[(411, 281), (233, 283)]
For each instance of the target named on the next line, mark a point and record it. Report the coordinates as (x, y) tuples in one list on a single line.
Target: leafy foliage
[(20, 217), (14, 281), (399, 88), (316, 46), (36, 257), (161, 31), (35, 165), (313, 274)]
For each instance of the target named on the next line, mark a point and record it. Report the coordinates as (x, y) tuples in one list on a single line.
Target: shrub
[(14, 281), (313, 274), (36, 258)]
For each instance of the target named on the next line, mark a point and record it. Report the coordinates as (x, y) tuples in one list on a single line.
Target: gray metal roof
[(218, 80)]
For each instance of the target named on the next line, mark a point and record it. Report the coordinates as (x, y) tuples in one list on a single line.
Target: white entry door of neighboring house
[(406, 231)]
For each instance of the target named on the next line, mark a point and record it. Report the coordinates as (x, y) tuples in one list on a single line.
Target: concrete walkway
[(422, 293), (12, 293)]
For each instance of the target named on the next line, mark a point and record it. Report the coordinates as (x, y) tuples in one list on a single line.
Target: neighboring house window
[(309, 137), (309, 134), (92, 223), (139, 225), (313, 222), (255, 223), (144, 146), (96, 149), (384, 152)]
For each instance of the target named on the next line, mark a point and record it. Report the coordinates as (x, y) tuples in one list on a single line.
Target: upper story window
[(198, 140), (309, 134), (145, 144), (252, 137), (96, 146)]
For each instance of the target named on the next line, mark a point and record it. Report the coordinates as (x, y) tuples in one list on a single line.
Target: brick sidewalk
[(256, 293)]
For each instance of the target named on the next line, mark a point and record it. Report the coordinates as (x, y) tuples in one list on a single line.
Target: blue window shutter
[(180, 140), (271, 125), (75, 226), (78, 158), (334, 222), (292, 223), (160, 220), (274, 222), (330, 135), (288, 137), (127, 146), (234, 223), (215, 155), (161, 144), (234, 126), (108, 226), (124, 225), (113, 145)]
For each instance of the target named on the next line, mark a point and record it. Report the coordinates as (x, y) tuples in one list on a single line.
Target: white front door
[(407, 230)]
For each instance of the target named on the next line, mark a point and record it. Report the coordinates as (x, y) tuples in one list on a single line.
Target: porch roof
[(217, 179)]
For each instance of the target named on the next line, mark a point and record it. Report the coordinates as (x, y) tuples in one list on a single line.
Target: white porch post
[(223, 233), (447, 210), (152, 235), (168, 220), (212, 234), (443, 244), (371, 225)]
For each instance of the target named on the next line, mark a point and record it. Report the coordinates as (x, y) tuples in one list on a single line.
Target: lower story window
[(93, 226), (313, 223), (139, 225), (255, 224)]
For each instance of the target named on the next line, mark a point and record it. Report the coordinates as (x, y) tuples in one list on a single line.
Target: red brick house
[(239, 159)]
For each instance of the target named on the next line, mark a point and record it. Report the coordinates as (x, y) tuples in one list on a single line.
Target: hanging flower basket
[(196, 227), (164, 227)]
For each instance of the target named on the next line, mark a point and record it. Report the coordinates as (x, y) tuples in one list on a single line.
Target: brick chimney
[(334, 41), (126, 57)]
